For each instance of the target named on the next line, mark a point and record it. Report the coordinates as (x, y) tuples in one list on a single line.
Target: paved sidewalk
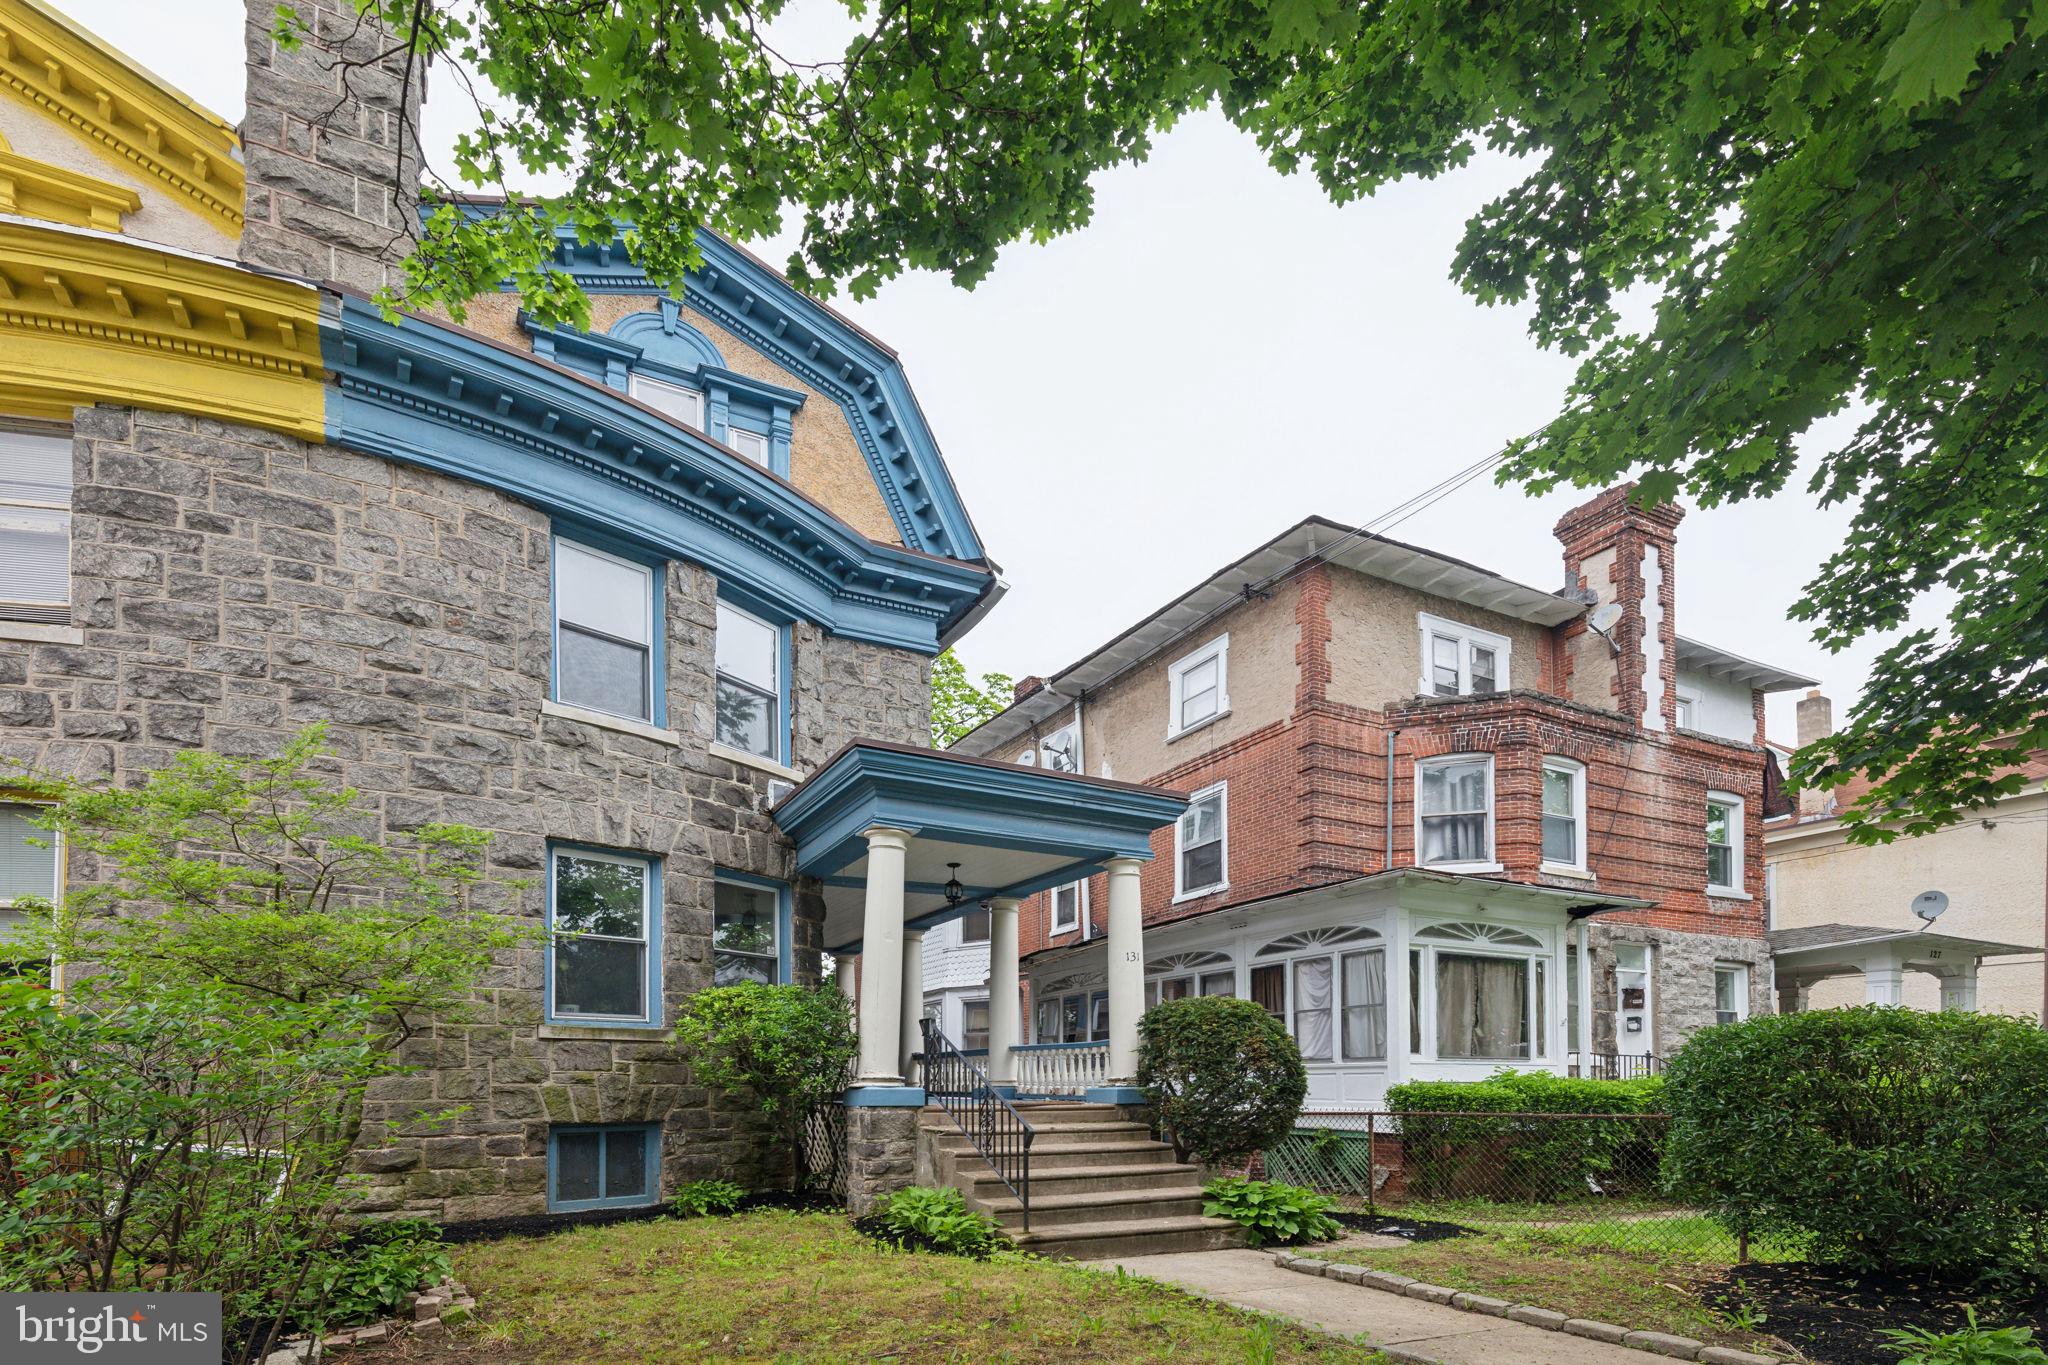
[(1418, 1331)]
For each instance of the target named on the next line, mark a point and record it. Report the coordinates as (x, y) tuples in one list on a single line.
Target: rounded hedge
[(1223, 1076), (1888, 1138)]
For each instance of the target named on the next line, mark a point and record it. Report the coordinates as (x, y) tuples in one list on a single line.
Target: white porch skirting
[(1061, 1068)]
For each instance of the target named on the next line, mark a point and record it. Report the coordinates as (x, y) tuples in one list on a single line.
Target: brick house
[(1579, 884), (608, 595)]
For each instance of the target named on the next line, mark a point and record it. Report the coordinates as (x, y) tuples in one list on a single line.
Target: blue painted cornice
[(446, 399), (953, 799), (754, 302)]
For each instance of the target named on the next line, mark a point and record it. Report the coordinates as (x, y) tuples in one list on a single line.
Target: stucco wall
[(825, 459), (163, 216), (1722, 708), (233, 585), (1376, 645), (1994, 879)]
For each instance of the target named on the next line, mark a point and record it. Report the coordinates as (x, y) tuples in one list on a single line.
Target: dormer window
[(684, 404), (751, 444), (1460, 660)]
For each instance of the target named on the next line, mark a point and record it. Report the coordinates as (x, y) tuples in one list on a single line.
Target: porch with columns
[(1804, 956), (902, 840)]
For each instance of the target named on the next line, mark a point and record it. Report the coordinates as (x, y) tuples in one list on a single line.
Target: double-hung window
[(1067, 902), (749, 683), (1731, 992), (1198, 687), (1724, 843), (604, 632), (746, 934), (1201, 844), (975, 925), (1459, 660), (35, 525), (609, 1167), (601, 938), (974, 1026), (1454, 810), (751, 444), (1564, 813), (28, 864), (684, 404)]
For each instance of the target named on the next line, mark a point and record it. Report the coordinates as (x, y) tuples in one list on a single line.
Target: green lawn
[(806, 1287)]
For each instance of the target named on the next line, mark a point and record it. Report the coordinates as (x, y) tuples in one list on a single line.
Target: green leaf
[(1934, 58)]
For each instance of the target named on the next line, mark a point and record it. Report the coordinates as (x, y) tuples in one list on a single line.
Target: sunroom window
[(1329, 990), (1455, 810), (1489, 991)]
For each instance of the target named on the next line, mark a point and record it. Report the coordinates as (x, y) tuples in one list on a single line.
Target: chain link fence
[(1570, 1182)]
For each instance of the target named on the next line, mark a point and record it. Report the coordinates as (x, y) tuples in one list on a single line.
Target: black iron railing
[(953, 1082), (1615, 1066)]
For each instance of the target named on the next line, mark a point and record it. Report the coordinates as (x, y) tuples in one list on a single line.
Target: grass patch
[(790, 1287), (1646, 1230), (1637, 1290)]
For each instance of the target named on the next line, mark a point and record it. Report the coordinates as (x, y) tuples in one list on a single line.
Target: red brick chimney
[(1626, 556), (1815, 718), (1024, 687)]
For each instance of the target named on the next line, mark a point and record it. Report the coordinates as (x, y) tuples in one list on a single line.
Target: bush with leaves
[(243, 962), (708, 1199), (1450, 1155), (790, 1047), (1224, 1078), (1969, 1345), (921, 1218), (1892, 1139), (368, 1276), (1271, 1212)]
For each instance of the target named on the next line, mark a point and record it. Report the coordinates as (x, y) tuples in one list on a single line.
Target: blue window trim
[(654, 942), (652, 1195), (657, 571), (785, 917), (745, 601)]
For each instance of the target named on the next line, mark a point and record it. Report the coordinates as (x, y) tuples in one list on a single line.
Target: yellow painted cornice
[(88, 319), (132, 117), (36, 189)]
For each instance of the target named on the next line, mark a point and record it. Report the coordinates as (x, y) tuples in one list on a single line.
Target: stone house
[(609, 595), (1440, 822), (1844, 925)]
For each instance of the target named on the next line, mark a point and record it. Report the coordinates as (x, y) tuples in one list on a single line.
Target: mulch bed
[(539, 1224), (1411, 1229), (1834, 1316)]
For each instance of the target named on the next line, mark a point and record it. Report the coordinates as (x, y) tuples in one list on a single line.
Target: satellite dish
[(1928, 905), (1604, 616)]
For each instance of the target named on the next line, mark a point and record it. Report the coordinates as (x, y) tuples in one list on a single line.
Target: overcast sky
[(1220, 353)]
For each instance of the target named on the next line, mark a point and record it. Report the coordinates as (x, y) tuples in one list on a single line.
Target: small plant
[(1272, 1212), (936, 1220), (1971, 1345), (708, 1199), (368, 1276)]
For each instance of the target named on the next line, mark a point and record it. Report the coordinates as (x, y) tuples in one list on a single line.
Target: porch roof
[(1012, 830), (1438, 890), (1817, 944)]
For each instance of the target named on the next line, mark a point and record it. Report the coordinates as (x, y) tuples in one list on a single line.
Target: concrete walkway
[(1417, 1331)]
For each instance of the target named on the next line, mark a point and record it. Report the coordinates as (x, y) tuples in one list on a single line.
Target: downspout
[(1390, 798)]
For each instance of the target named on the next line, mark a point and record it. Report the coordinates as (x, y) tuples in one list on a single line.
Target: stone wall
[(232, 586), (881, 1155), (1681, 981)]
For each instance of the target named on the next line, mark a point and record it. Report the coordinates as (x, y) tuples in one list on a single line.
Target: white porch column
[(1884, 979), (881, 959), (1959, 988), (1126, 969), (913, 1000), (1583, 1044), (842, 972), (1005, 1026)]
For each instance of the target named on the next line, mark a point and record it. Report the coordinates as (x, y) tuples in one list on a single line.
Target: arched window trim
[(1318, 940), (1473, 933), (1176, 963)]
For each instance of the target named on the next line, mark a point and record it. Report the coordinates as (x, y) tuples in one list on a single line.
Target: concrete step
[(1050, 1111), (1109, 1176), (1112, 1206), (1087, 1154), (944, 1128), (1134, 1237)]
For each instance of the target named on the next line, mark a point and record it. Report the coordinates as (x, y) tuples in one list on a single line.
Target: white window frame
[(648, 681), (1055, 925), (1466, 636), (1687, 709), (1181, 892), (1217, 649), (1577, 772), (734, 434), (10, 915), (23, 609), (778, 721), (1740, 970), (1490, 863), (1423, 950), (646, 387), (1735, 837)]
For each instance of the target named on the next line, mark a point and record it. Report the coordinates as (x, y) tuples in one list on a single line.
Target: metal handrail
[(991, 1123), (1616, 1066)]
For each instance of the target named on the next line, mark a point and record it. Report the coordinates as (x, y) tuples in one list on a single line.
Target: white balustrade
[(1060, 1068)]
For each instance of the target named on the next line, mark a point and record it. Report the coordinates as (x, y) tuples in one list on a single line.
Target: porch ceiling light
[(955, 893)]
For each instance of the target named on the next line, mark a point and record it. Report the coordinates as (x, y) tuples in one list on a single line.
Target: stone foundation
[(881, 1155)]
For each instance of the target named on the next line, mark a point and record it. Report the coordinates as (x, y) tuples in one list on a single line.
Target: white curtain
[(1365, 1006), (1312, 1008), (1482, 1006)]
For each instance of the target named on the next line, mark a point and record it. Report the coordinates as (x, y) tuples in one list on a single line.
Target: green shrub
[(1891, 1138), (789, 1047), (1224, 1077), (937, 1220), (1270, 1212), (708, 1199), (1528, 1159), (1972, 1345), (368, 1276)]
